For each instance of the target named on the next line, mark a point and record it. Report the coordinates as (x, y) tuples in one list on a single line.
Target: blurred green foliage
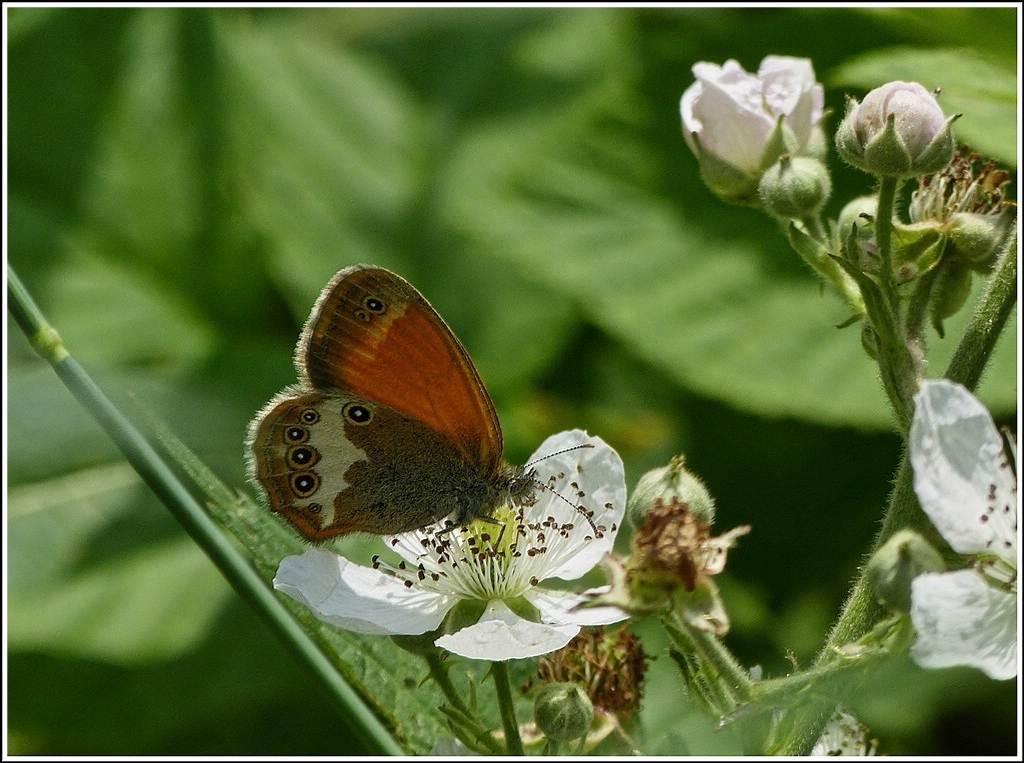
[(183, 182)]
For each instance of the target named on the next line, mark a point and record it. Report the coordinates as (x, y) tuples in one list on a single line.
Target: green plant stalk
[(468, 730), (898, 369), (813, 695), (513, 742), (861, 610), (440, 676), (815, 228), (887, 188), (732, 680), (990, 316), (162, 481), (701, 684), (458, 708)]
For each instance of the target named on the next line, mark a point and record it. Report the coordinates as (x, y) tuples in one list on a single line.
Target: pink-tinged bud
[(898, 130)]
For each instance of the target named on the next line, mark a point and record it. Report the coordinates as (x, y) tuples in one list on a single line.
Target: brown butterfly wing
[(300, 463), (372, 335), (326, 463)]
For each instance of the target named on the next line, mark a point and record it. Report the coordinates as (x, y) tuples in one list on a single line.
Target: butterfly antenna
[(558, 453)]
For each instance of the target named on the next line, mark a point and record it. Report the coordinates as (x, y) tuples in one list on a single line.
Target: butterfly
[(390, 427)]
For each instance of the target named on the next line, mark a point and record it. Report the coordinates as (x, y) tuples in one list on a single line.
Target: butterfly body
[(390, 427)]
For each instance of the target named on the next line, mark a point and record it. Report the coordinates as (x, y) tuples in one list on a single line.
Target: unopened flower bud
[(949, 294), (856, 233), (563, 711), (794, 187), (898, 130), (670, 484), (976, 238), (858, 213), (902, 558)]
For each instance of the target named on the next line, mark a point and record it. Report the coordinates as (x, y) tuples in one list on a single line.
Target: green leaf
[(992, 30), (69, 595), (560, 200)]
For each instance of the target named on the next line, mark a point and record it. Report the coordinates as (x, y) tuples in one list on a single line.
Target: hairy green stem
[(513, 742), (887, 188), (897, 365), (733, 681), (860, 610), (467, 719), (705, 682), (439, 674), (989, 318)]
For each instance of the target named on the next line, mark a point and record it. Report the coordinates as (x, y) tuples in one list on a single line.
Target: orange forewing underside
[(372, 335)]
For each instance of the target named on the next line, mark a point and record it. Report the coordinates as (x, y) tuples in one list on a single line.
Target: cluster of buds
[(758, 139)]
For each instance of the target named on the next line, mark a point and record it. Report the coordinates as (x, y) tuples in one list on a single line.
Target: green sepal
[(882, 320), (917, 248)]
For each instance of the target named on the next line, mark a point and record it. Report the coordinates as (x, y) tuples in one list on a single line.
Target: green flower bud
[(949, 294), (856, 233), (976, 238), (859, 212), (899, 130), (670, 484), (902, 558), (795, 187), (563, 711)]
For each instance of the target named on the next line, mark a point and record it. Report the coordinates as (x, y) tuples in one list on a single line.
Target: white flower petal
[(501, 635), (957, 454), (785, 81), (843, 735), (358, 598), (962, 620), (736, 125), (691, 124), (560, 607), (598, 472)]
